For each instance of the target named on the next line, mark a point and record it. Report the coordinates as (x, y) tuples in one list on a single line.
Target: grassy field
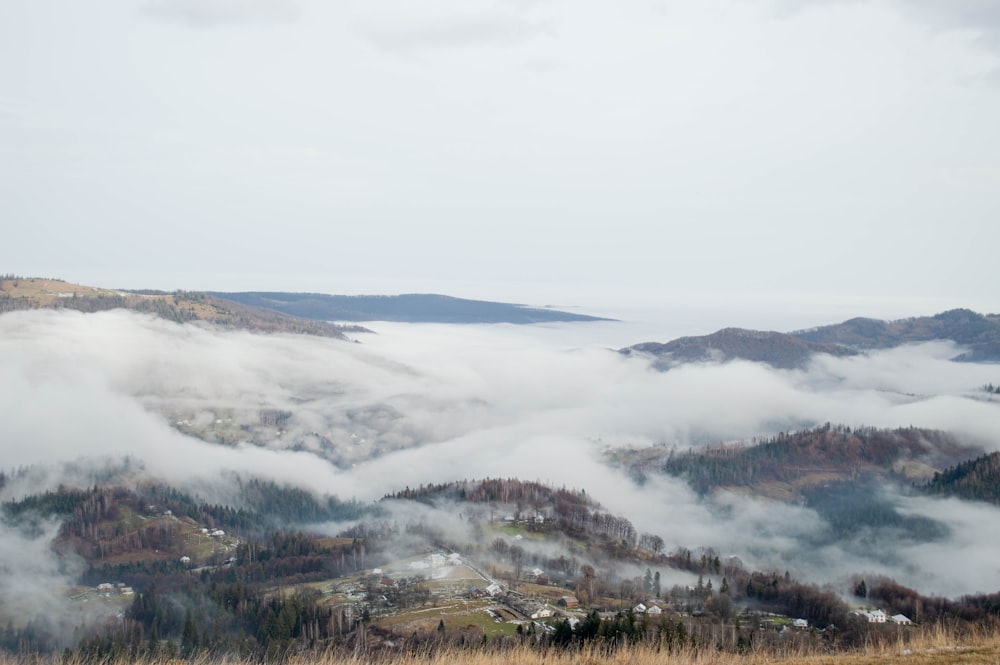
[(930, 647)]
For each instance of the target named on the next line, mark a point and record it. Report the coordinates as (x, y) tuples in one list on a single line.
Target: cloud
[(488, 27), (216, 13), (415, 404), (980, 18), (35, 583)]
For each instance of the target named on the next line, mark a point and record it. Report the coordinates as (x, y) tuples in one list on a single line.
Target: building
[(875, 616)]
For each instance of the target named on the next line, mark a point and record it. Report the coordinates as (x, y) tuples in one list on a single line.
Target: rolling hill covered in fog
[(480, 481)]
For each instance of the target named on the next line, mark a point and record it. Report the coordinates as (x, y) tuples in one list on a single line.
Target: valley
[(186, 485)]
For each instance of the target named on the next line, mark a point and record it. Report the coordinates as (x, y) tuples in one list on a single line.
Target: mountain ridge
[(407, 308), (27, 293), (978, 333)]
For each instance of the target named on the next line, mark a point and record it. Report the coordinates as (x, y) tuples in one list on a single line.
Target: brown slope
[(23, 293)]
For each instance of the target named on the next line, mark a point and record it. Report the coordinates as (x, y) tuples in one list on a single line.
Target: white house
[(875, 616), (541, 613), (436, 560), (639, 609), (494, 589), (185, 560), (535, 572), (654, 610), (900, 619), (800, 623)]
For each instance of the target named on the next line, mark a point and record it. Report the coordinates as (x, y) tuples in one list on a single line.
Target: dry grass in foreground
[(930, 646)]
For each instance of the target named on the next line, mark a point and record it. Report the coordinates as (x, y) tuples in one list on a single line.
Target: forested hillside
[(774, 348), (977, 479), (783, 465), (979, 332)]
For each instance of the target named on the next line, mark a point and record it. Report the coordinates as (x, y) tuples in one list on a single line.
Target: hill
[(977, 479), (23, 293), (774, 348), (787, 466), (497, 564), (979, 332), (409, 308)]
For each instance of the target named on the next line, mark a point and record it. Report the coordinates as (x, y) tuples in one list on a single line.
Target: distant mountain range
[(410, 308), (309, 313), (774, 348), (24, 293), (978, 333)]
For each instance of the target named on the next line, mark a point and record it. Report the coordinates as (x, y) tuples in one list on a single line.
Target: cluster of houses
[(214, 533), (651, 610), (108, 589), (436, 560), (878, 616), (538, 518)]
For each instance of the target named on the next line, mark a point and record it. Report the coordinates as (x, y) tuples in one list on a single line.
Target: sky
[(540, 151)]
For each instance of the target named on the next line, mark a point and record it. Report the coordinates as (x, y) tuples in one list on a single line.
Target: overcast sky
[(528, 150)]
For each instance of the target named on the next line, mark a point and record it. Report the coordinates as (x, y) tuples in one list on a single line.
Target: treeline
[(573, 516), (231, 619), (495, 490), (92, 514), (973, 608), (261, 505), (990, 388), (789, 456), (233, 609), (977, 479)]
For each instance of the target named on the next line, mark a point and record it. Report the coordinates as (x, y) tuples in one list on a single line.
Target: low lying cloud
[(430, 403)]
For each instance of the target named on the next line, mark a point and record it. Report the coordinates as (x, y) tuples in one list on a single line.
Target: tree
[(861, 590), (189, 636), (517, 556)]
